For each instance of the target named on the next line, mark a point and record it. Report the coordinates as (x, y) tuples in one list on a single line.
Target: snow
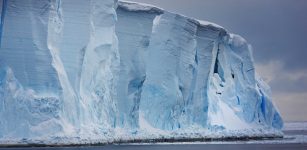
[(145, 126), (134, 6), (90, 71), (226, 117), (206, 23)]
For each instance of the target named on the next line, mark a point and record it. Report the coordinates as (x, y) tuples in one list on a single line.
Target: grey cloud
[(275, 28), (286, 85)]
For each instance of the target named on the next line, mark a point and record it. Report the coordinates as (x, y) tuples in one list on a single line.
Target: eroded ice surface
[(76, 71)]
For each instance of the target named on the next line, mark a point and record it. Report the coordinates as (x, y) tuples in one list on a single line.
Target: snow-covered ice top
[(139, 7), (100, 71)]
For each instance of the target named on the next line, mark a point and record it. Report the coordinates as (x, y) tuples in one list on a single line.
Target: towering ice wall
[(32, 92), (99, 68), (58, 65), (190, 73), (73, 71)]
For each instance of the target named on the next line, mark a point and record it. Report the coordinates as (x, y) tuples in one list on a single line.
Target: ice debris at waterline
[(74, 71)]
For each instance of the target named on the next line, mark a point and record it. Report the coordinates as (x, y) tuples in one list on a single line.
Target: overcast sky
[(276, 29)]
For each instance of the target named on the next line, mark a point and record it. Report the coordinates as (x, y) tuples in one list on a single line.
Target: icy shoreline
[(173, 137), (141, 141)]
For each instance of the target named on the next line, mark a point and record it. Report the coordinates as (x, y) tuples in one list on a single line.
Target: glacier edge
[(132, 71)]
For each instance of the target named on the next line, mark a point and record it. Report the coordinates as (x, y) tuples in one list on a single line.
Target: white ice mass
[(79, 71)]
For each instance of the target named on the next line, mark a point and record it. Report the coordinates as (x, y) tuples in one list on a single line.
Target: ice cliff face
[(108, 70)]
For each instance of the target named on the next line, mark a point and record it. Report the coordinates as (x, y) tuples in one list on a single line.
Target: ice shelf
[(93, 71)]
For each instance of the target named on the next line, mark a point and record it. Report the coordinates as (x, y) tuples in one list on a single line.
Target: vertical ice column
[(234, 91), (100, 66), (186, 44), (170, 63), (41, 93), (249, 95), (239, 73), (24, 45), (226, 98), (197, 105), (75, 37), (55, 35), (133, 30)]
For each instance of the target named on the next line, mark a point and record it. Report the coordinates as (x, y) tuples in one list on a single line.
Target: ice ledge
[(142, 7), (139, 7)]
